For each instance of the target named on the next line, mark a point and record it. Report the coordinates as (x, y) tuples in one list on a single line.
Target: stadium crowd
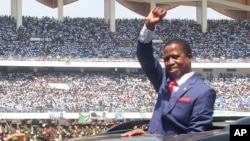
[(80, 39), (54, 130), (89, 38), (109, 91)]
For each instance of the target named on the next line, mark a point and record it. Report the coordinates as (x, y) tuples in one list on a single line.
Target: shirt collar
[(184, 78)]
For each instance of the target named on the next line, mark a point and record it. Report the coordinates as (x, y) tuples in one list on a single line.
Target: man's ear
[(190, 56)]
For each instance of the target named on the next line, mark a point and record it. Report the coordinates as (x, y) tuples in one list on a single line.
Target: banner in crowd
[(119, 116), (83, 118), (98, 115), (102, 115), (57, 115)]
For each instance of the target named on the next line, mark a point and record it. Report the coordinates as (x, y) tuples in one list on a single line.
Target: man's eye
[(166, 59), (175, 56)]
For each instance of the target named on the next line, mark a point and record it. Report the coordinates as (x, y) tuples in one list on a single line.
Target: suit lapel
[(183, 89)]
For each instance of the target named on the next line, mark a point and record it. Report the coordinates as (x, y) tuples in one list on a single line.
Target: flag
[(82, 118)]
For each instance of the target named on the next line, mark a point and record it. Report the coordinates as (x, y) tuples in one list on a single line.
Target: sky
[(95, 8)]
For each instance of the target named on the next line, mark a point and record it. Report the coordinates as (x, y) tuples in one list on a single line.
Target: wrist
[(150, 26)]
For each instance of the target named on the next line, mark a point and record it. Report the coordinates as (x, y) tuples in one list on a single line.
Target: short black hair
[(184, 44)]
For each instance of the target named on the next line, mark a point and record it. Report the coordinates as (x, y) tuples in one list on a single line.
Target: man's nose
[(171, 60)]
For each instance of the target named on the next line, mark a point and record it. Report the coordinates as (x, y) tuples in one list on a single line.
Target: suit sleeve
[(202, 115), (150, 65)]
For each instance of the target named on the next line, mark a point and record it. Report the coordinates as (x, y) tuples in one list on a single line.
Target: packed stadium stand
[(88, 39), (27, 86)]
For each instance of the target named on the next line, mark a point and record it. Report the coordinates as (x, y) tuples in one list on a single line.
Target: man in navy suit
[(190, 106)]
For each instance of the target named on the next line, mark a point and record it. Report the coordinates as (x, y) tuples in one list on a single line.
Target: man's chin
[(174, 74)]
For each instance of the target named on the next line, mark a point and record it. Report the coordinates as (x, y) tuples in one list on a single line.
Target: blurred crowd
[(81, 39), (54, 130), (89, 38), (78, 39), (104, 91)]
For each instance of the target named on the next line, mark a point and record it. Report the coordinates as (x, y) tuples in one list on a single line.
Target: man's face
[(176, 62)]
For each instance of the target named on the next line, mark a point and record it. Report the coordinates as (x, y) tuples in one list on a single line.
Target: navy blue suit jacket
[(190, 109)]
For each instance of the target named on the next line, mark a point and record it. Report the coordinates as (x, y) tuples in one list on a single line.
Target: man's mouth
[(173, 69)]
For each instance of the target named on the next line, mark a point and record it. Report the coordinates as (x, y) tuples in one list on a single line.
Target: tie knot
[(171, 85)]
